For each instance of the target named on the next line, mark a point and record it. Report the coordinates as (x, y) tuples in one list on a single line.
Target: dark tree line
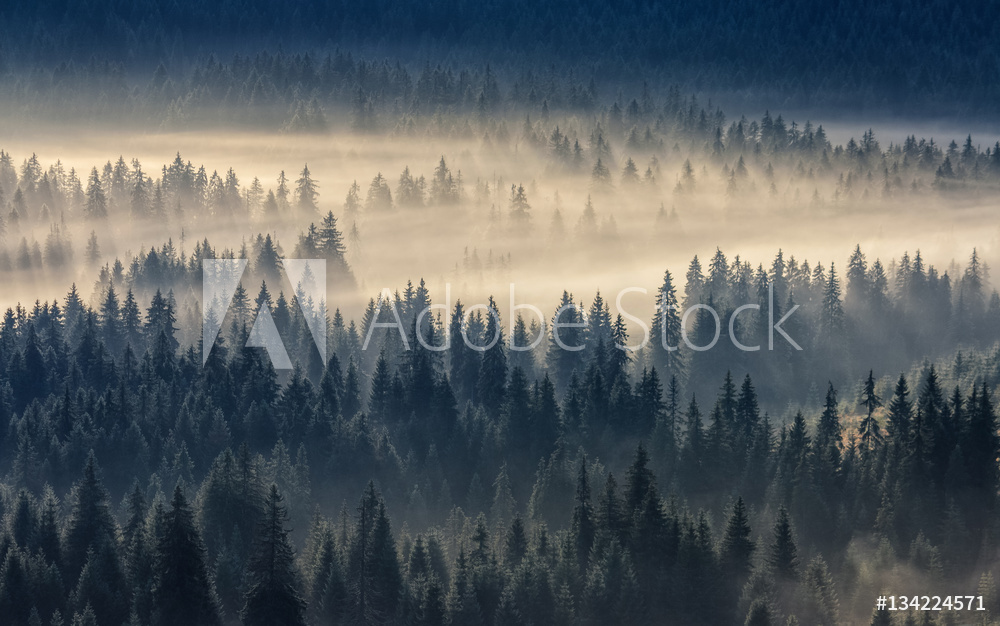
[(498, 466), (859, 55)]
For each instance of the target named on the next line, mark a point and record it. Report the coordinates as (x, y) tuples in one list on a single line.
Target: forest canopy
[(544, 313)]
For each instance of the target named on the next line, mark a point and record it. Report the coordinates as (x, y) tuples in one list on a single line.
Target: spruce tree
[(609, 515), (182, 590), (491, 386), (273, 596), (900, 416), (386, 578), (515, 544), (305, 193), (828, 444), (821, 605), (783, 557), (91, 524), (640, 481), (881, 617), (330, 241), (871, 433), (737, 546), (103, 587), (665, 334), (759, 614), (97, 203), (583, 526)]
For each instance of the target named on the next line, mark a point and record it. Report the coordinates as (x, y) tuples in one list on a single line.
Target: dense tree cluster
[(773, 442), (497, 465), (883, 55), (631, 152)]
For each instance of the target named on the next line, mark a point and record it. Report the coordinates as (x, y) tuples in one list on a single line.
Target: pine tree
[(666, 331), (820, 598), (182, 590), (161, 319), (48, 540), (881, 617), (747, 415), (463, 606), (131, 321), (640, 482), (380, 396), (386, 580), (102, 586), (273, 596), (373, 568), (832, 311), (759, 614), (857, 292), (737, 547), (583, 526), (111, 323), (268, 260), (783, 557), (871, 433), (15, 587), (515, 544), (601, 175), (305, 193), (630, 173), (900, 416), (379, 196), (565, 351), (90, 525), (981, 445), (134, 541), (520, 210), (828, 444), (941, 433), (330, 241), (97, 204), (282, 193), (491, 386), (331, 599), (503, 500), (694, 444), (694, 284)]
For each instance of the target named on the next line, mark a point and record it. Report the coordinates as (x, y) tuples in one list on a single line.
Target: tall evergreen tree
[(306, 193), (583, 526), (273, 596), (492, 383), (869, 429), (737, 546), (182, 589), (90, 525), (97, 203), (783, 557)]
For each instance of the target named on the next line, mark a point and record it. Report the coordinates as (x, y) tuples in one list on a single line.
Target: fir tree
[(583, 526), (306, 193), (182, 590), (273, 596), (871, 432), (783, 557), (90, 525)]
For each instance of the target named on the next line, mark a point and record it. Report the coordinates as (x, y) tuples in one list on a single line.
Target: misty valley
[(380, 316)]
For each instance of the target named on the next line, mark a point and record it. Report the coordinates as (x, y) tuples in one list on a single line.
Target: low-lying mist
[(630, 234)]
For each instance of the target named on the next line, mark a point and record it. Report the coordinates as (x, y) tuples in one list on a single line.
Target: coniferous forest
[(544, 314)]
